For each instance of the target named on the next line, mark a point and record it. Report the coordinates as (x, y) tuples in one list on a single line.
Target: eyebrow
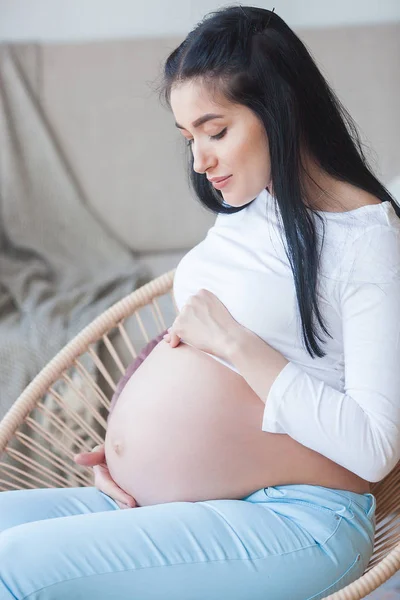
[(201, 120)]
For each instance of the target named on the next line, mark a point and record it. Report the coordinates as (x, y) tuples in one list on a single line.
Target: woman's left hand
[(204, 322)]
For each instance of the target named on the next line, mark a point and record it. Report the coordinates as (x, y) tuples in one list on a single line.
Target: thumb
[(175, 340), (90, 459)]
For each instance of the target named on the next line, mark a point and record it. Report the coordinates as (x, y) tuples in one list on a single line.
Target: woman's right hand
[(102, 478)]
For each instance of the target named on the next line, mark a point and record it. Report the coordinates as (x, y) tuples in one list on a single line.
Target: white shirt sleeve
[(360, 427)]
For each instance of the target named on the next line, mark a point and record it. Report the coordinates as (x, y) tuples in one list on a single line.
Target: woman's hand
[(102, 478), (204, 322)]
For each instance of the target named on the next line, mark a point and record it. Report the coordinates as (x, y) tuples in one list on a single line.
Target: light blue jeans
[(291, 542)]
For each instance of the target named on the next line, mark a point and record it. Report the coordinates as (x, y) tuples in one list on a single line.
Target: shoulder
[(362, 242), (372, 256)]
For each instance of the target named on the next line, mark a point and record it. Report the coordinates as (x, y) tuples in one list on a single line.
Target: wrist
[(236, 342)]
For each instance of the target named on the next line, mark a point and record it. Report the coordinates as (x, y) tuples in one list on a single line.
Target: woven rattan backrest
[(64, 410)]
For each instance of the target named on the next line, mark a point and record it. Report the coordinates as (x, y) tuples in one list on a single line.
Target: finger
[(90, 459), (175, 340), (122, 505), (118, 495), (111, 489), (105, 483), (167, 337)]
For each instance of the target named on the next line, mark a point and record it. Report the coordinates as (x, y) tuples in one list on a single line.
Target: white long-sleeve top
[(345, 405)]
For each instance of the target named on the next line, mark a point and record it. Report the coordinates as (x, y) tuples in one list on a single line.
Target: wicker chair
[(64, 411)]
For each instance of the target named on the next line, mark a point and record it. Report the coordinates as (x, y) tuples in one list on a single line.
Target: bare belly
[(187, 428)]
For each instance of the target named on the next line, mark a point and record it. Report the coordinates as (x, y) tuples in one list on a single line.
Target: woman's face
[(233, 144)]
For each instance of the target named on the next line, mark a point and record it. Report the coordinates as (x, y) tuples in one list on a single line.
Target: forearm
[(257, 362)]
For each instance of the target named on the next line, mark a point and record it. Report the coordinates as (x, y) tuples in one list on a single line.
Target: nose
[(202, 160)]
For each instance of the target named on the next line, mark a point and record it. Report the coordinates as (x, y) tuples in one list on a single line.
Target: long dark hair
[(253, 57)]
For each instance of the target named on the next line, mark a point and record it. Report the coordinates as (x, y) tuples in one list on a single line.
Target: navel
[(117, 446)]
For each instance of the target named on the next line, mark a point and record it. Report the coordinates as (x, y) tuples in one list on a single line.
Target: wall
[(68, 20)]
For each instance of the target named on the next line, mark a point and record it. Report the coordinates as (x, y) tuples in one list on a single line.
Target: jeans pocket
[(319, 521)]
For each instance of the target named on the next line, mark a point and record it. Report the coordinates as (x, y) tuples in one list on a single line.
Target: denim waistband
[(337, 500)]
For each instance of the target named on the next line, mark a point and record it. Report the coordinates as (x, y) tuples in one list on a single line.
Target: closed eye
[(212, 137)]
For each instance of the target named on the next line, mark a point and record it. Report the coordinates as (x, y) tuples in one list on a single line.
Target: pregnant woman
[(239, 452)]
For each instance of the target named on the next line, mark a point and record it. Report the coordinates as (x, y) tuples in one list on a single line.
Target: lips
[(218, 179), (219, 185)]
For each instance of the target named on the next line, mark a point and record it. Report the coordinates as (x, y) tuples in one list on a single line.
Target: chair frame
[(385, 561)]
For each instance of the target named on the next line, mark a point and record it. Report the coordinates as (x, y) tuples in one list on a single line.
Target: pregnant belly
[(187, 428)]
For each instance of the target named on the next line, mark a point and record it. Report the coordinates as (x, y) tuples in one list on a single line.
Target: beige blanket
[(59, 266)]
